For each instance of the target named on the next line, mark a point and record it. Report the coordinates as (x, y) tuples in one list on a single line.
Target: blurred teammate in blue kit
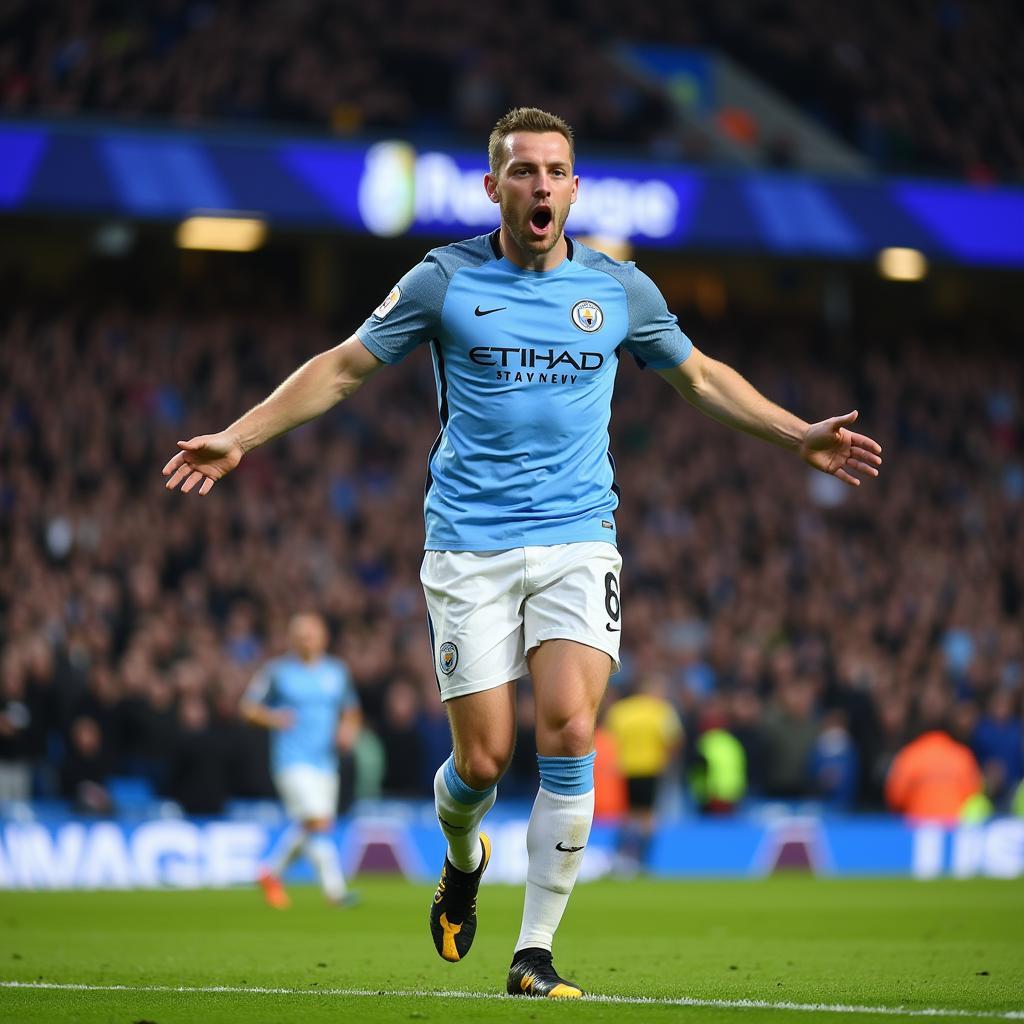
[(307, 701), (521, 570)]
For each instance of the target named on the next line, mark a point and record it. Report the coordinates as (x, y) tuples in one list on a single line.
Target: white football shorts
[(307, 792), (489, 609)]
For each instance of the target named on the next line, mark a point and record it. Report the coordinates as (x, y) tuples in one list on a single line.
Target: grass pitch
[(815, 945)]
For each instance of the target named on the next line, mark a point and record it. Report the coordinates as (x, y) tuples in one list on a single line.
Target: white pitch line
[(727, 1004)]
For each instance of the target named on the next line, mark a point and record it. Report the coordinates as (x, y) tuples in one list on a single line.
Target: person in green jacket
[(717, 775)]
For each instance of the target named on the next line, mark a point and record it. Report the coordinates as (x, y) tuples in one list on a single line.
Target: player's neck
[(530, 261)]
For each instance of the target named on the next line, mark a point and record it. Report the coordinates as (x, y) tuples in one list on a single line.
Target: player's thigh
[(307, 792), (474, 607), (483, 733), (569, 680), (576, 597)]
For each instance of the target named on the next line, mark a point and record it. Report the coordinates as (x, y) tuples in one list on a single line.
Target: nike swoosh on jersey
[(568, 849), (612, 629), (483, 312)]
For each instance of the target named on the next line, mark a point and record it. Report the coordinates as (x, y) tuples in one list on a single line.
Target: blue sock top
[(458, 789), (567, 776)]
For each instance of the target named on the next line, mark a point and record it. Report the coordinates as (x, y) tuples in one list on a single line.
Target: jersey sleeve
[(410, 315), (654, 337), (345, 696)]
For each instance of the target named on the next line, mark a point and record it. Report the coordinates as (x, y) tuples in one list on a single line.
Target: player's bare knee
[(572, 736), (483, 767), (317, 825)]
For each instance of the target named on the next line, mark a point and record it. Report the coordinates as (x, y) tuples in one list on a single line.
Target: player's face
[(534, 188), (308, 636)]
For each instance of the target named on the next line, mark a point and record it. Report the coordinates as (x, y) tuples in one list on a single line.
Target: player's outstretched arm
[(312, 389), (265, 718), (718, 391)]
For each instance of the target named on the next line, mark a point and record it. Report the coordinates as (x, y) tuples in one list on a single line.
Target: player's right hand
[(205, 458)]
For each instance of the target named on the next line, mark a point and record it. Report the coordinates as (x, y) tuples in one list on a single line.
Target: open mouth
[(540, 219)]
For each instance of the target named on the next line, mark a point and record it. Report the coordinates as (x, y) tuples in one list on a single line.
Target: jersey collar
[(498, 254)]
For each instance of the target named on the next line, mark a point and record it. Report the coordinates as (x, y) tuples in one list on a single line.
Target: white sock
[(323, 853), (558, 832), (459, 813), (286, 849)]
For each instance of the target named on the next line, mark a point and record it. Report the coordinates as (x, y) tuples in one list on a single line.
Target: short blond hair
[(526, 119)]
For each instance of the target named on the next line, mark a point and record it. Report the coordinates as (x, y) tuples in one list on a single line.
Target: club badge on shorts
[(448, 657), (587, 316)]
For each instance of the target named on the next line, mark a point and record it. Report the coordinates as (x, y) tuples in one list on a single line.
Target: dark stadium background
[(823, 629)]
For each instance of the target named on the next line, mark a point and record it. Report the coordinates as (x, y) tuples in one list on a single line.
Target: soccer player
[(307, 701), (521, 570)]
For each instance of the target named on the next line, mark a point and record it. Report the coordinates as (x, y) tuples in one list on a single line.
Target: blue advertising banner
[(179, 853), (392, 188)]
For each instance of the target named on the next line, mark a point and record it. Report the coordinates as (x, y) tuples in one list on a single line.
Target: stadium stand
[(130, 623), (813, 626), (943, 96)]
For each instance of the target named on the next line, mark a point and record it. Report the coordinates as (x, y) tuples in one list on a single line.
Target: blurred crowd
[(438, 66), (820, 627), (922, 86), (930, 86)]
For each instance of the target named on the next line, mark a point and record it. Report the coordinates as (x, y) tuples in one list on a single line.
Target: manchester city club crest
[(448, 657), (587, 316)]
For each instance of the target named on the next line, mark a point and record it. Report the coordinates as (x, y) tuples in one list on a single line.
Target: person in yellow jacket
[(648, 738)]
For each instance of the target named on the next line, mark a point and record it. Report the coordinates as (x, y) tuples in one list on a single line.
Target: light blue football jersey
[(524, 363), (317, 693)]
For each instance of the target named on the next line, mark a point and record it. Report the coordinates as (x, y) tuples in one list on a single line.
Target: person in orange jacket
[(933, 777)]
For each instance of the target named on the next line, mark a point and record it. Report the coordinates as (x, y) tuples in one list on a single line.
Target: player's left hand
[(832, 448), (203, 460)]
